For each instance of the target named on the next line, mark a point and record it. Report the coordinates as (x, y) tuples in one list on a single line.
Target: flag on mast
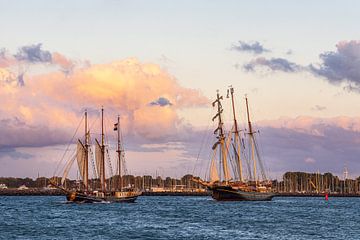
[(115, 126)]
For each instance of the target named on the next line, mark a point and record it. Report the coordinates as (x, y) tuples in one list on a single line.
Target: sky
[(159, 63)]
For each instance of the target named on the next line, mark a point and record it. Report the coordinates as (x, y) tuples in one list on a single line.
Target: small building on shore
[(23, 187)]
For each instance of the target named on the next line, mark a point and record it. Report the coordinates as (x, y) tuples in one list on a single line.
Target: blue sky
[(192, 42)]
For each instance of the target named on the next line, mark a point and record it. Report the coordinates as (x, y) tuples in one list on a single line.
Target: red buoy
[(326, 196)]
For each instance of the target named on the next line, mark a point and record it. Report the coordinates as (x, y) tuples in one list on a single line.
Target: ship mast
[(237, 138), (221, 136), (102, 174), (86, 162), (119, 151), (251, 135)]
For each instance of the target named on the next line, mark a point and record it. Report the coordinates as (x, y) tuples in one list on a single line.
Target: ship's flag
[(115, 127)]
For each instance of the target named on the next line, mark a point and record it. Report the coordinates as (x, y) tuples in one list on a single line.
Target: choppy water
[(180, 218)]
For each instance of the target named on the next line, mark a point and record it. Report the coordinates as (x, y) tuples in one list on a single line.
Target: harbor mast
[(221, 137), (86, 160), (102, 168), (237, 146), (119, 152), (251, 136)]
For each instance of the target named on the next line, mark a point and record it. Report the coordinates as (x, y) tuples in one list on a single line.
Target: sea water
[(180, 218)]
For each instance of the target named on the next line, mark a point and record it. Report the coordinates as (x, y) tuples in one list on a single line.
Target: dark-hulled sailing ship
[(102, 189), (230, 149)]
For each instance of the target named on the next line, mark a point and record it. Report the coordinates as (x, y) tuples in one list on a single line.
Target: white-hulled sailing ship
[(230, 149), (101, 190)]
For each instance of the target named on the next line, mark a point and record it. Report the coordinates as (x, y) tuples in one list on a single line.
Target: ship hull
[(227, 193), (77, 197)]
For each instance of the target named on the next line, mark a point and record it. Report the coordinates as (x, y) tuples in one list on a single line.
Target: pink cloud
[(309, 160), (123, 87), (307, 124), (62, 61)]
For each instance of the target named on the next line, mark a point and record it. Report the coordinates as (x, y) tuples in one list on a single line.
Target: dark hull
[(227, 193), (77, 197)]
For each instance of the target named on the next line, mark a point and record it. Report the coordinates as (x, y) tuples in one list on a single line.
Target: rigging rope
[(205, 137), (67, 148)]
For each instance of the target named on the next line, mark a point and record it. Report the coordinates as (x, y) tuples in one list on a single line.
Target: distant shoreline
[(57, 192), (31, 192)]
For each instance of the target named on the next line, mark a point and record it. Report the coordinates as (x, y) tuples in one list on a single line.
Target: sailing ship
[(230, 149), (102, 192)]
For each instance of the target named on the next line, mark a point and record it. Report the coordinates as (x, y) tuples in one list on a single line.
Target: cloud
[(33, 54), (311, 125), (6, 77), (318, 108), (164, 146), (50, 104), (66, 65), (20, 79), (309, 160), (161, 101), (274, 64), (16, 133), (303, 144), (3, 60), (6, 59), (330, 142), (286, 149), (166, 60), (14, 154), (251, 47), (341, 66)]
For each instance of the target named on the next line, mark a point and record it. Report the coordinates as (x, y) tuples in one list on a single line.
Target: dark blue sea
[(180, 218)]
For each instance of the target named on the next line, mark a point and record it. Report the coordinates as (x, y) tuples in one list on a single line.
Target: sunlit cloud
[(49, 105), (17, 65)]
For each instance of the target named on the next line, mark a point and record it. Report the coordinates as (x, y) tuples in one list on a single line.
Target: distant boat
[(102, 192), (230, 149)]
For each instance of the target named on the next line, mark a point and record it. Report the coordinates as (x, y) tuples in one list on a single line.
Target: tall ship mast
[(119, 152), (237, 139), (254, 154), (86, 157), (251, 141), (97, 189), (221, 138), (233, 186)]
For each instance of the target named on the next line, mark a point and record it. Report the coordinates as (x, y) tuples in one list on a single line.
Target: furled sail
[(80, 156), (214, 176), (225, 159), (98, 158)]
